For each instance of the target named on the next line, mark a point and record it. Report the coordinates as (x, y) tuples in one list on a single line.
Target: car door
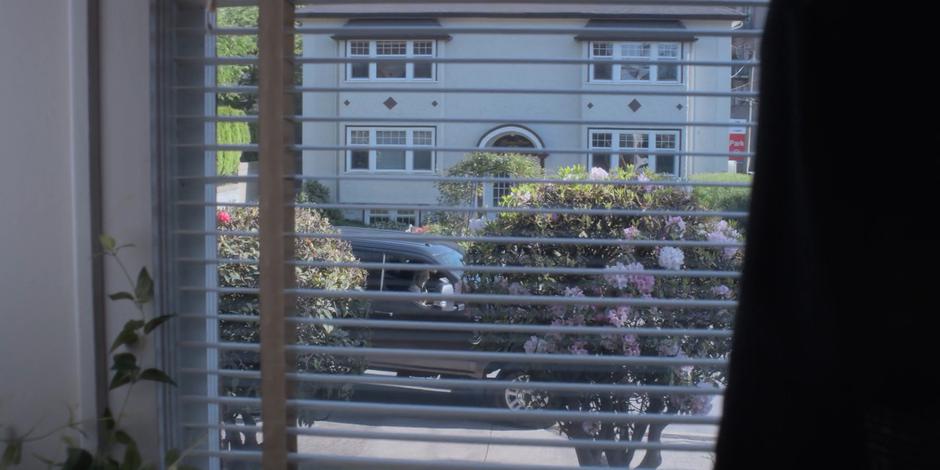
[(396, 279)]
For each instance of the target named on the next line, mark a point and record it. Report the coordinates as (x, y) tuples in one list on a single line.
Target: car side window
[(399, 280), (394, 279)]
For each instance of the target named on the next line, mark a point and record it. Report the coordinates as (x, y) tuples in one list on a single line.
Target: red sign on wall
[(737, 142)]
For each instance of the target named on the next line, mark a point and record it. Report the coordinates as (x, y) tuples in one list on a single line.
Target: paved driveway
[(488, 453)]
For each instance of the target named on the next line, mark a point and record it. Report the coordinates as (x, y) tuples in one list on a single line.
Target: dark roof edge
[(392, 35), (636, 36), (412, 15)]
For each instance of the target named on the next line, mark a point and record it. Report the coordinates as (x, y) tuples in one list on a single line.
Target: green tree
[(480, 164), (230, 133), (243, 45)]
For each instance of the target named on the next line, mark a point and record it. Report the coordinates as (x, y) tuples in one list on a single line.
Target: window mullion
[(654, 67), (409, 66), (373, 153), (651, 147), (373, 54), (409, 154), (615, 73), (615, 145)]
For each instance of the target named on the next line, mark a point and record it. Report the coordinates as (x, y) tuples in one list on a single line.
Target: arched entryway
[(514, 136)]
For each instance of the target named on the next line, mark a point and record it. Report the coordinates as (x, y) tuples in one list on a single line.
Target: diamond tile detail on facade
[(390, 103), (590, 105), (434, 103), (346, 102), (679, 106), (635, 105)]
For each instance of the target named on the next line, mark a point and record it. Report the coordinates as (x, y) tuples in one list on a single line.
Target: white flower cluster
[(598, 174), (477, 224), (535, 345), (671, 258)]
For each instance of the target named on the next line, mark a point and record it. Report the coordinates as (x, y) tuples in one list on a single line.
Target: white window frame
[(617, 56), (373, 151), (615, 150), (409, 66), (392, 215)]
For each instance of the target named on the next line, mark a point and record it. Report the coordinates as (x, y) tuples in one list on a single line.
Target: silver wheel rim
[(523, 398)]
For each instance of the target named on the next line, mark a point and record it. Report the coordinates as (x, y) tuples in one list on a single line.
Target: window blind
[(583, 321)]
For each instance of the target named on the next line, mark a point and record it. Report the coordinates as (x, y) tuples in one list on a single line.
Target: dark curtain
[(834, 358)]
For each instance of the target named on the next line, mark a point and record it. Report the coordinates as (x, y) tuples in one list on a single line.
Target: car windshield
[(450, 257)]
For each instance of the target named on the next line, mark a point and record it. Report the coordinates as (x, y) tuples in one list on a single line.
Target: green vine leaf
[(69, 441), (107, 242), (122, 296), (156, 375), (108, 419), (120, 379), (49, 462), (126, 371), (78, 459), (123, 437), (144, 289), (128, 334), (155, 322), (124, 362), (171, 457), (12, 454), (132, 460)]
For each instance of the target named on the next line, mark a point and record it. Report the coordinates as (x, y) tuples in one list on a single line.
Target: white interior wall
[(46, 350), (40, 258)]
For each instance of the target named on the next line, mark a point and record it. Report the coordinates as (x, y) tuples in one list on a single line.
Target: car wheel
[(520, 398)]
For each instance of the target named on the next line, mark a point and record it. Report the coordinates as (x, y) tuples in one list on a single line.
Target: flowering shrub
[(244, 275), (628, 274)]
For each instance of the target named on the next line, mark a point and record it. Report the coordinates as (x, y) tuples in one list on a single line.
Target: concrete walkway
[(480, 429), (486, 453)]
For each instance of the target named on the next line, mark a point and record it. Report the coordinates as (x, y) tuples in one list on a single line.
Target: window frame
[(615, 152), (392, 215), (617, 55), (374, 147), (409, 66)]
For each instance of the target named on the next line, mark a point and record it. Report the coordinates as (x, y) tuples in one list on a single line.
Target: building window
[(656, 71), (390, 149), (391, 49), (644, 149), (409, 217)]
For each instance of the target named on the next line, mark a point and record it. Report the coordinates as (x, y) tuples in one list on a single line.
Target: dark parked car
[(369, 247)]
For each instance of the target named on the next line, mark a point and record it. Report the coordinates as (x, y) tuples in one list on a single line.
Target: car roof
[(390, 240)]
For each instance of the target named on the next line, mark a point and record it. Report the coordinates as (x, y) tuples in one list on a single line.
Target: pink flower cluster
[(516, 289), (723, 233), (631, 346), (619, 316), (631, 233), (622, 277), (677, 225), (644, 284), (223, 217), (722, 291)]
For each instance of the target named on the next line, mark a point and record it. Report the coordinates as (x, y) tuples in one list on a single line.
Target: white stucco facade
[(357, 104)]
